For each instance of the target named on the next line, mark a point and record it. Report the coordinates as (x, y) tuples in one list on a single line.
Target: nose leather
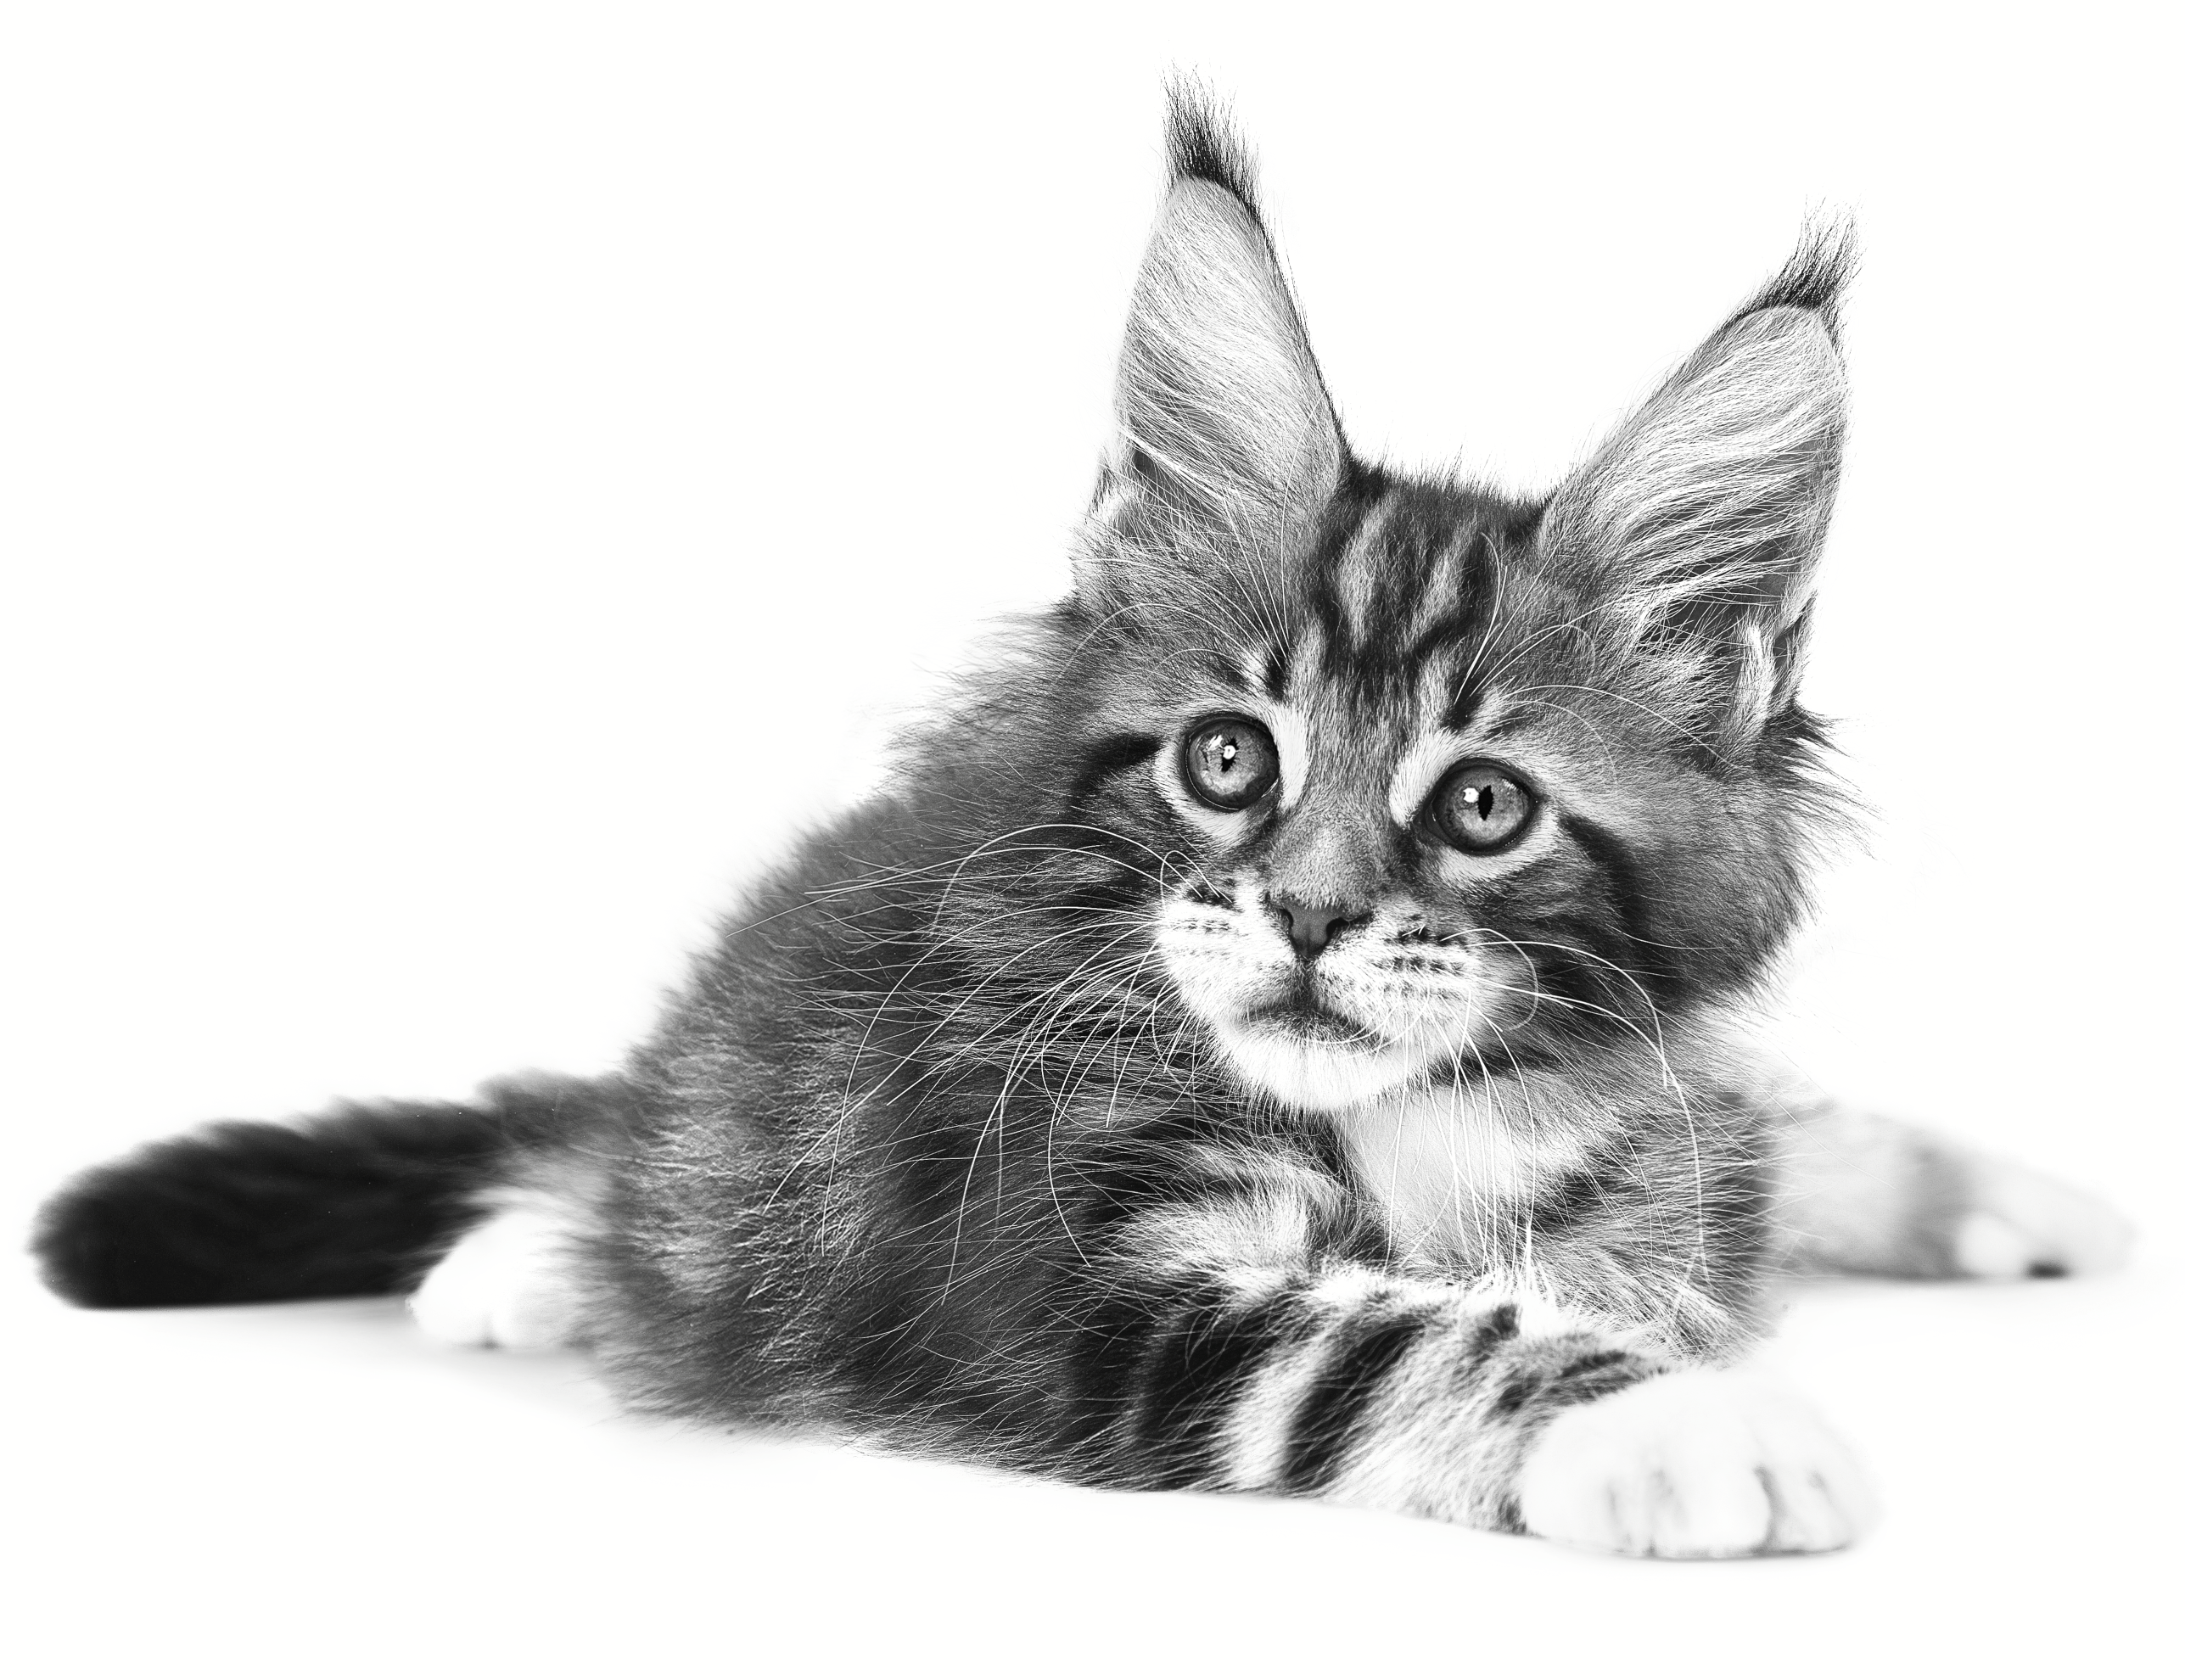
[(1330, 863), (1311, 927)]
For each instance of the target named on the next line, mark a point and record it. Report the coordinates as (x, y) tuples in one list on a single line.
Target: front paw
[(1699, 1464), (2021, 1223)]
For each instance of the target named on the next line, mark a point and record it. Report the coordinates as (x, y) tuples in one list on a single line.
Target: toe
[(1712, 1501), (2027, 1224)]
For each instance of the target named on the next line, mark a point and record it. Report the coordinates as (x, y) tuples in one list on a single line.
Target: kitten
[(1276, 1028)]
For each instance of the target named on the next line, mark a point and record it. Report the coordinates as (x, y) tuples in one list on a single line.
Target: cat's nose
[(1311, 927)]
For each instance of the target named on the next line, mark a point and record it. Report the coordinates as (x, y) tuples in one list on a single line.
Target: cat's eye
[(1481, 808), (1229, 762)]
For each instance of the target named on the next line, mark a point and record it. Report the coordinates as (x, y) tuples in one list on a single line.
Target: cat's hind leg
[(1859, 1193), (513, 1280)]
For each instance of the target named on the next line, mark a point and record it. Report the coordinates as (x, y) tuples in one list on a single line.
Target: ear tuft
[(1816, 275), (1203, 144)]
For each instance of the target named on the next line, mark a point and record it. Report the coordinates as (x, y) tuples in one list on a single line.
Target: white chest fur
[(1450, 1162)]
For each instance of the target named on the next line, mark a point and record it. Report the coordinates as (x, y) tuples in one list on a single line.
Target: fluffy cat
[(1277, 1027)]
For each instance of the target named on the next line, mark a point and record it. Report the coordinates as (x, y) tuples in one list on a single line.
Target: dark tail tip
[(360, 1203)]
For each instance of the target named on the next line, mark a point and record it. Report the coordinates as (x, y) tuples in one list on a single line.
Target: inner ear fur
[(1698, 525), (1219, 396), (1226, 445)]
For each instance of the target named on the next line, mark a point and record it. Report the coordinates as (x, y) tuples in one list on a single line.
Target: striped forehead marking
[(1400, 604), (1358, 582)]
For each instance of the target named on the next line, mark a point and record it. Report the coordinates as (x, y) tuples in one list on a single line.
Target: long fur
[(1005, 1119)]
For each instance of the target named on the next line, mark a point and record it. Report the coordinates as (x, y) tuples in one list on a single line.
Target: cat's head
[(1435, 776)]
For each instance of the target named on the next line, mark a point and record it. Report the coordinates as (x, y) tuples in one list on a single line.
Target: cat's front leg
[(1477, 1400), (1695, 1464), (1616, 1451)]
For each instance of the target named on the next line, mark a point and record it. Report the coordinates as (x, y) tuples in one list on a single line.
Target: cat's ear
[(1219, 408), (1698, 525)]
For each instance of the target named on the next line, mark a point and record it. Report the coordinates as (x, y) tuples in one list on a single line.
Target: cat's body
[(1278, 1028)]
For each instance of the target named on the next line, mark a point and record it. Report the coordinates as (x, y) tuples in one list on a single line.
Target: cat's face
[(1388, 833), (1413, 811), (1433, 777)]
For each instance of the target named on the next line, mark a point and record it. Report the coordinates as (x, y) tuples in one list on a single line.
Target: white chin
[(1316, 1074)]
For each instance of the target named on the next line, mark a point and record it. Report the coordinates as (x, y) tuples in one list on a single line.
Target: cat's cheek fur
[(1697, 1464)]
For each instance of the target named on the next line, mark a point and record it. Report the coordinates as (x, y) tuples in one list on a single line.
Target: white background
[(475, 480)]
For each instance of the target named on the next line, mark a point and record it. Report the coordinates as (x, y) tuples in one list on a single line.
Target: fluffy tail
[(359, 1201)]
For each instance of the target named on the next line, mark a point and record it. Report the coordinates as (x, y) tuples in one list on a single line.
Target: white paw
[(1696, 1465), (507, 1282), (2027, 1224)]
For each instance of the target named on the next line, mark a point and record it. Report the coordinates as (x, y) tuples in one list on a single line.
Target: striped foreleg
[(1476, 1401), (1362, 1387)]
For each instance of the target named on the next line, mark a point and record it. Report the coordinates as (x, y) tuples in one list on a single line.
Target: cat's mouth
[(1305, 1051), (1303, 1016)]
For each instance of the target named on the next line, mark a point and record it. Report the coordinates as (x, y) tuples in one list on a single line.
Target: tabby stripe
[(1476, 593), (1463, 707), (1194, 1371), (1120, 1190), (1594, 1377), (1590, 1376), (1105, 760), (1108, 1354), (1363, 488), (1492, 1330), (1586, 977), (1333, 1408), (1569, 1204), (1626, 892)]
